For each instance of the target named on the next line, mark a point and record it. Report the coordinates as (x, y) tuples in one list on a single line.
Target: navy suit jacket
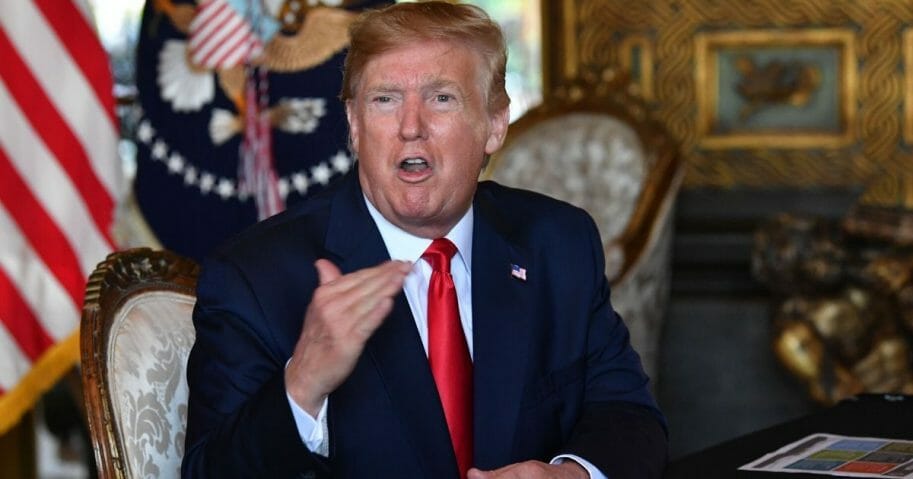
[(553, 368)]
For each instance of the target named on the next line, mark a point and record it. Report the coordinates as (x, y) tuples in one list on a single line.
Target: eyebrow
[(442, 83), (436, 84)]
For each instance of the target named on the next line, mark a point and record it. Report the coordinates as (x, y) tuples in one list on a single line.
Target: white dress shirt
[(407, 247)]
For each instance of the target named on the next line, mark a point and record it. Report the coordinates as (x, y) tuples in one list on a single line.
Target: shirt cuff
[(312, 431), (590, 469)]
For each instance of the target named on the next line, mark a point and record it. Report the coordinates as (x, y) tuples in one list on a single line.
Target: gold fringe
[(52, 365)]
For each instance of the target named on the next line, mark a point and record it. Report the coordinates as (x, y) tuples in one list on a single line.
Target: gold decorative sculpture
[(844, 320), (774, 82)]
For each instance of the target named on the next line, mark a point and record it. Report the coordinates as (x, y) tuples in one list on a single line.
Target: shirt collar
[(402, 245)]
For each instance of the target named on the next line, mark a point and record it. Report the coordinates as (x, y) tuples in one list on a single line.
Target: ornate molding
[(661, 38)]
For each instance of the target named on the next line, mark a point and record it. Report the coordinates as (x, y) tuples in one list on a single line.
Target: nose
[(412, 122)]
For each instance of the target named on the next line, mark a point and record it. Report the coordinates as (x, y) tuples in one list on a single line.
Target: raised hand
[(344, 312)]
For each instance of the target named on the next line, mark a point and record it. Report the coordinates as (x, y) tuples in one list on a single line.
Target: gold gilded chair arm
[(661, 182)]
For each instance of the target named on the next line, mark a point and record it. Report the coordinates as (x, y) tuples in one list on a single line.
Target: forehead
[(422, 64)]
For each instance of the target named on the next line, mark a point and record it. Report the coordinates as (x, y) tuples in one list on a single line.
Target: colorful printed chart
[(844, 456)]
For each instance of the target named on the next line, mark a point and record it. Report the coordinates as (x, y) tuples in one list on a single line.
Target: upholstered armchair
[(135, 336), (597, 147)]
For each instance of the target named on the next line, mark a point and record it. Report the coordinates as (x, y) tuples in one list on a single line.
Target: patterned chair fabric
[(136, 334), (598, 148)]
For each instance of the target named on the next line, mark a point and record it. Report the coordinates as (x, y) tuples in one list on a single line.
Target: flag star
[(301, 183), (225, 188), (190, 175), (341, 162), (321, 173), (145, 132), (175, 163), (206, 182), (283, 186), (159, 150)]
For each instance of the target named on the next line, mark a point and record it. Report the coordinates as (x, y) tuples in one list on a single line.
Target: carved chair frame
[(610, 97), (120, 277)]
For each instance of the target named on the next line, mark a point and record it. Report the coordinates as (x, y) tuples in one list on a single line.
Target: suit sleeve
[(239, 420), (620, 430)]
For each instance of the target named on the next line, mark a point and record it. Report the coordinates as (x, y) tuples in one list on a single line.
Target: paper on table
[(845, 456)]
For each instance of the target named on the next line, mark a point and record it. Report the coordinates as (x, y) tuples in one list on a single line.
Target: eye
[(382, 99), (443, 98)]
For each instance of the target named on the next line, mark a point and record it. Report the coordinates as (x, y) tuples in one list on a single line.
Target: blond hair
[(378, 31)]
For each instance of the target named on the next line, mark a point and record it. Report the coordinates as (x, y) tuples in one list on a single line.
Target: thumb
[(326, 271)]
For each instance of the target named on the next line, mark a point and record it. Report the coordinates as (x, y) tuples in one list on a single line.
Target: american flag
[(59, 181), (517, 272), (220, 36)]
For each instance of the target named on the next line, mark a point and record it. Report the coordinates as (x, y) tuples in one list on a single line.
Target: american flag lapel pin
[(517, 272)]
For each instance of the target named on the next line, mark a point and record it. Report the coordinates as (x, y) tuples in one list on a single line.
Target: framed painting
[(787, 89)]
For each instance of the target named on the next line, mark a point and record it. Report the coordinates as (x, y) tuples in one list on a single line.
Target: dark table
[(882, 416)]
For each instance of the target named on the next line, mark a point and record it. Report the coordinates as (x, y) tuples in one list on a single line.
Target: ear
[(498, 122), (351, 117)]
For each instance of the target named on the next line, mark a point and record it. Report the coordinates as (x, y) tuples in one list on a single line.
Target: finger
[(385, 283), (367, 307), (372, 319), (355, 279), (358, 306), (326, 271), (476, 474), (356, 293)]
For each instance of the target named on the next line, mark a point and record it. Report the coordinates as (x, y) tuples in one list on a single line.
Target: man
[(317, 355)]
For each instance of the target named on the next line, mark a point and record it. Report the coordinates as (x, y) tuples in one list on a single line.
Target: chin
[(415, 218)]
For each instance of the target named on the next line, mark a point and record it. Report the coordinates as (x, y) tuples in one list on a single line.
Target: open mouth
[(414, 165)]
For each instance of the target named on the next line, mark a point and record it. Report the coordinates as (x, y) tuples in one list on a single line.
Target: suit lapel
[(501, 316), (395, 349)]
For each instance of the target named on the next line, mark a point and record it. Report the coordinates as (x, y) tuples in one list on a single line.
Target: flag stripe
[(49, 242), (52, 188), (14, 363), (20, 321), (60, 180), (38, 286), (213, 41), (206, 21), (199, 37), (239, 54), (206, 10), (65, 86), (56, 134), (237, 41), (84, 49)]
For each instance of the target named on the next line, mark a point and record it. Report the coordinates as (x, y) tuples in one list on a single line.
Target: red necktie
[(448, 353)]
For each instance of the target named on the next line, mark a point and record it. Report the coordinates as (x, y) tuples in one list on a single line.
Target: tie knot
[(439, 253)]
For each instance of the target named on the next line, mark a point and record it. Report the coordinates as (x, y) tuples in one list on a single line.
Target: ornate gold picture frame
[(908, 86), (871, 129), (637, 60), (786, 89)]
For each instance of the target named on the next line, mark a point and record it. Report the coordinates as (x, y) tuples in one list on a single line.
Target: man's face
[(421, 128)]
